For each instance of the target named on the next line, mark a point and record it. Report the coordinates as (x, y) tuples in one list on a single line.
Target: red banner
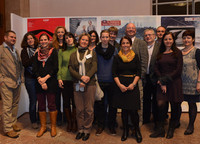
[(44, 25)]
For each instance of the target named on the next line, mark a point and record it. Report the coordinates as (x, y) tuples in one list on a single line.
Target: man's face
[(113, 36), (130, 30), (160, 32), (10, 40), (149, 37)]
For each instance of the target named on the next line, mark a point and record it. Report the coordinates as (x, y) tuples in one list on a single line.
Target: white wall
[(50, 8)]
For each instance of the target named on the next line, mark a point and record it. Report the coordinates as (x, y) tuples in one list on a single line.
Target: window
[(175, 7)]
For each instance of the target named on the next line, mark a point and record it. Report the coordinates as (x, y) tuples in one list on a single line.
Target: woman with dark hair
[(45, 68), (168, 69), (58, 43), (83, 66), (94, 39), (191, 77), (126, 72), (29, 45), (65, 81), (105, 55)]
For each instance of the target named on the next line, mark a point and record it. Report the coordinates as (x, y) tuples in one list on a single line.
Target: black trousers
[(149, 101), (68, 94), (104, 110)]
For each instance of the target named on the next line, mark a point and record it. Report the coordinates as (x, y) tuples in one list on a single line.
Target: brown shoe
[(34, 126), (69, 119), (43, 128), (53, 116), (16, 128), (12, 134)]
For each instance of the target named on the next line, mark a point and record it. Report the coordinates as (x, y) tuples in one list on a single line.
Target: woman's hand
[(36, 51), (164, 89), (123, 88), (82, 84), (131, 86), (44, 86), (85, 79), (42, 80), (198, 87), (60, 83), (159, 83)]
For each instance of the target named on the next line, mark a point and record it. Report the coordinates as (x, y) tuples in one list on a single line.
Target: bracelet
[(198, 81)]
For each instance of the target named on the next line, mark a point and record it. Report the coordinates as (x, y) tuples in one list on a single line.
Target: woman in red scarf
[(45, 68)]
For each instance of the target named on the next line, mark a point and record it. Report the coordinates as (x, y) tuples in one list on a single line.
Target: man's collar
[(6, 46)]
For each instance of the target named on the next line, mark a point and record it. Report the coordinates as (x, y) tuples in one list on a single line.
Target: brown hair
[(24, 43), (113, 29)]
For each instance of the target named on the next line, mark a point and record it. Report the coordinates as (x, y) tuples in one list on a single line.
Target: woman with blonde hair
[(83, 66)]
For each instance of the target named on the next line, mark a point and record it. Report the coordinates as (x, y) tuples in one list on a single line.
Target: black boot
[(125, 125), (160, 131), (171, 128), (124, 134), (138, 135), (135, 120)]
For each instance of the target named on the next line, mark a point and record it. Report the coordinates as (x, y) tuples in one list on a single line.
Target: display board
[(78, 25)]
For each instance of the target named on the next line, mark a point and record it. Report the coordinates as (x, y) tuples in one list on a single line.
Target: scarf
[(30, 52), (106, 54), (44, 54), (82, 62), (127, 57)]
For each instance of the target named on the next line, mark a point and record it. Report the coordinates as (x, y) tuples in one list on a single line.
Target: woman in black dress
[(126, 72), (169, 89)]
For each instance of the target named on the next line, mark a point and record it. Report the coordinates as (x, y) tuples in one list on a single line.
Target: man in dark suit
[(160, 31), (10, 79), (149, 99), (140, 48)]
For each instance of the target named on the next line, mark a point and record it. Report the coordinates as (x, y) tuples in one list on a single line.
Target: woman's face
[(30, 40), (60, 33), (93, 37), (105, 38), (188, 41), (168, 41), (84, 41), (69, 40), (125, 46), (44, 41)]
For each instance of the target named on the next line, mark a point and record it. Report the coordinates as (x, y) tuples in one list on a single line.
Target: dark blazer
[(140, 48), (152, 74), (10, 68)]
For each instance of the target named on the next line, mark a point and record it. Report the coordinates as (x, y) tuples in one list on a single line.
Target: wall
[(19, 7), (47, 8)]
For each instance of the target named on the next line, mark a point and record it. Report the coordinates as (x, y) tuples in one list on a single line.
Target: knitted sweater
[(63, 61)]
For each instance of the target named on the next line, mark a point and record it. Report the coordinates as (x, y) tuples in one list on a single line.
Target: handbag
[(99, 93)]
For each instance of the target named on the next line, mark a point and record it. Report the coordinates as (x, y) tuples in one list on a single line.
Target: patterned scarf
[(127, 57), (44, 54)]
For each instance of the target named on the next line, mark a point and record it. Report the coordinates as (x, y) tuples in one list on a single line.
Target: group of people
[(133, 74)]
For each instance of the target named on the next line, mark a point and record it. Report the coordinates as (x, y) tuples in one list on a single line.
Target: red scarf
[(44, 54)]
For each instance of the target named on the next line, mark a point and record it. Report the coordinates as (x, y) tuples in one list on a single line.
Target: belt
[(128, 75)]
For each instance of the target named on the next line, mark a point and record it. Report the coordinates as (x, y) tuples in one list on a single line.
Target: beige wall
[(19, 7), (48, 8)]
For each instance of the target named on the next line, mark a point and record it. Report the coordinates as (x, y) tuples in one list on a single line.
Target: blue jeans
[(30, 87)]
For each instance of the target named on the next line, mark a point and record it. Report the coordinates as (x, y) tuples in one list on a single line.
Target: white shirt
[(150, 51)]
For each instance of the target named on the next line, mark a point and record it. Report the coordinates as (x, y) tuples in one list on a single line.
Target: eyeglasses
[(148, 35)]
